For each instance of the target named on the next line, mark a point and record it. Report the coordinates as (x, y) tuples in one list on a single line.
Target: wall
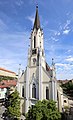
[(2, 93), (6, 73)]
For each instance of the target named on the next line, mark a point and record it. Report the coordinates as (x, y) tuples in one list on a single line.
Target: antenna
[(36, 2)]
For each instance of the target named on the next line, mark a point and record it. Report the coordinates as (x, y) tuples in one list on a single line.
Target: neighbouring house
[(66, 101), (65, 81), (67, 96), (6, 88), (3, 91), (70, 102), (5, 72)]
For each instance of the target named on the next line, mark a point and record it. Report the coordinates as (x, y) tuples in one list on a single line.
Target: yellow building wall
[(5, 73)]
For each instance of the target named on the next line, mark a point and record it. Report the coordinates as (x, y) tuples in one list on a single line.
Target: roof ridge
[(6, 70)]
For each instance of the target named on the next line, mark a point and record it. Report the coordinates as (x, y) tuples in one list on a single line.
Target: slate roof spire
[(37, 21)]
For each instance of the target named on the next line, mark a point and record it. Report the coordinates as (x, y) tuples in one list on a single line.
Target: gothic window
[(34, 91), (47, 93), (57, 96), (22, 91), (34, 42)]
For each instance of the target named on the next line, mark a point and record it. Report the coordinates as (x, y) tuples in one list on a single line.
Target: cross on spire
[(53, 61)]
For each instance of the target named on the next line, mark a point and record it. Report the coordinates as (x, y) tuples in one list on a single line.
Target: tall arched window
[(22, 91), (47, 93), (34, 42), (57, 96), (34, 91)]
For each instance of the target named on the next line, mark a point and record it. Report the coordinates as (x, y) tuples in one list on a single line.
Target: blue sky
[(16, 21)]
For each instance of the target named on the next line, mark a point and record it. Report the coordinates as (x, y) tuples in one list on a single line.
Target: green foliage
[(68, 88), (43, 110), (6, 78), (13, 108), (66, 108)]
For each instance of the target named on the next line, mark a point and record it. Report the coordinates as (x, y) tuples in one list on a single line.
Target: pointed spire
[(37, 21)]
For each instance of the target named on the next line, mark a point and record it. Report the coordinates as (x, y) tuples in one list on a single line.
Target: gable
[(46, 75)]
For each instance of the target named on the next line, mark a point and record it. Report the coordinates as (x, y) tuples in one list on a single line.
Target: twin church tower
[(38, 81)]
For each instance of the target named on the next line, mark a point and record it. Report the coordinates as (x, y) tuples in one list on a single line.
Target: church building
[(38, 81)]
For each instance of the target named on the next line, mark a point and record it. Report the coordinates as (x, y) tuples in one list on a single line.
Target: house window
[(47, 93), (34, 91), (34, 42), (2, 89), (22, 91)]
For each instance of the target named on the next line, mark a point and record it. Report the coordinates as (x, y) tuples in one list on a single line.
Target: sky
[(16, 22)]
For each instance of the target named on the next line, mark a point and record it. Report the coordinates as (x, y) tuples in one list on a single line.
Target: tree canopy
[(13, 106), (6, 78), (43, 110), (68, 88)]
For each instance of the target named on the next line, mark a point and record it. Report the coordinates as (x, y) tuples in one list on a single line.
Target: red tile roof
[(7, 83), (7, 70), (47, 67), (4, 86)]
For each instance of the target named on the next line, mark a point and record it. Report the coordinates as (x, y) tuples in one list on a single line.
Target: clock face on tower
[(34, 59)]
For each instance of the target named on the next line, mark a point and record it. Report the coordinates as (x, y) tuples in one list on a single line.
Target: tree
[(68, 88), (43, 110), (13, 105), (7, 78)]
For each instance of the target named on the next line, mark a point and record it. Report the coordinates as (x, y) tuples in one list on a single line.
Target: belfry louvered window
[(34, 42), (22, 91)]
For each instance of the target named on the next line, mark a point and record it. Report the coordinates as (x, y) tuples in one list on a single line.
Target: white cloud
[(64, 71), (61, 64), (31, 18), (54, 32), (64, 66), (67, 24), (62, 75), (19, 2), (3, 26), (70, 59), (64, 28), (57, 33), (54, 39), (69, 51), (14, 50), (66, 31), (2, 23)]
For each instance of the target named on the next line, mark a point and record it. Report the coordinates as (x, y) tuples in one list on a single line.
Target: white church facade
[(38, 81)]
